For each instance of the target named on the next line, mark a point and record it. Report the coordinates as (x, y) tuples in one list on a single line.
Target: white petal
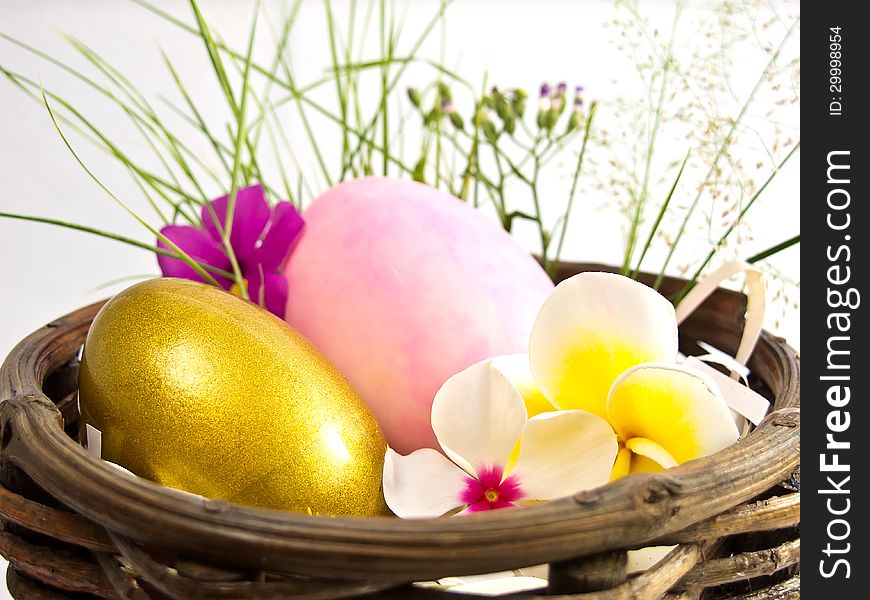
[(422, 484), (740, 398), (643, 558), (94, 439), (679, 408), (448, 582), (517, 369), (592, 328), (500, 586), (716, 356), (477, 416), (125, 470), (564, 452), (755, 303)]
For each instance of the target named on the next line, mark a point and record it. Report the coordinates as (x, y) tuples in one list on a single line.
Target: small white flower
[(479, 419)]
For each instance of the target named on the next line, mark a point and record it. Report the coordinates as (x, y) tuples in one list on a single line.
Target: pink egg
[(401, 286)]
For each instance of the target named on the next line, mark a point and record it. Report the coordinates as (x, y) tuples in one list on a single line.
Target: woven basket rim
[(637, 509)]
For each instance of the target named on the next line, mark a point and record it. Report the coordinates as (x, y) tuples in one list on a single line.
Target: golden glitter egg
[(197, 389)]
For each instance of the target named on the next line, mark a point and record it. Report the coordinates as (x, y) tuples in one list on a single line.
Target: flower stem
[(650, 150), (181, 253), (111, 236), (738, 220), (341, 92), (722, 148), (570, 207), (241, 136), (662, 211)]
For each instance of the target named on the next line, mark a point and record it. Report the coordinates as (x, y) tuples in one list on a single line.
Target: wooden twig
[(765, 515), (742, 566), (55, 567), (64, 526)]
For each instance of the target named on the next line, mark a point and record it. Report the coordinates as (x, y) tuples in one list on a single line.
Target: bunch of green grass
[(477, 157), (176, 192), (669, 81)]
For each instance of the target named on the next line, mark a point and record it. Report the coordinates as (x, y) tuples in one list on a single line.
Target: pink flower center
[(489, 491)]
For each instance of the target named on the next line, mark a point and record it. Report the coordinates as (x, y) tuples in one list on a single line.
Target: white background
[(49, 271)]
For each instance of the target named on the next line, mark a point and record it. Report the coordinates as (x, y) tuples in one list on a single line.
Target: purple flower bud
[(414, 96), (578, 98), (545, 90), (563, 87)]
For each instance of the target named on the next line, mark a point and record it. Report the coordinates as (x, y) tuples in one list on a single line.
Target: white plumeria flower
[(518, 371), (478, 418), (607, 344)]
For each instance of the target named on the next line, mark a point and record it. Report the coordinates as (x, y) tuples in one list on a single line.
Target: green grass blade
[(662, 211), (364, 135), (774, 250), (149, 198), (285, 141), (117, 280), (241, 138), (569, 209), (214, 56), (341, 92), (726, 141), (731, 227), (276, 152), (197, 116), (263, 103), (300, 100), (650, 150), (386, 48), (350, 80), (367, 131), (96, 136), (402, 60), (133, 112), (214, 46), (182, 255), (143, 116), (109, 235)]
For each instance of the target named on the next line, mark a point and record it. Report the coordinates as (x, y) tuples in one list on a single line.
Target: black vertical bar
[(835, 365)]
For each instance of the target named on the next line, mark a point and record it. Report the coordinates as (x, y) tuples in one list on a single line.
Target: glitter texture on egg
[(199, 390)]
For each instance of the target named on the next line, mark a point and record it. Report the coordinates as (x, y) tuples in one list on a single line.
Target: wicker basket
[(75, 528)]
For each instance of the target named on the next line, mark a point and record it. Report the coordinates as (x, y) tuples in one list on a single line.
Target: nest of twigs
[(74, 527)]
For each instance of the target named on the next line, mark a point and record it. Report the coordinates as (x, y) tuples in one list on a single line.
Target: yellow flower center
[(491, 495)]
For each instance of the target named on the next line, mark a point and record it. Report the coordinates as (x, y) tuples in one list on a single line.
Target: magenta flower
[(491, 490), (261, 239)]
